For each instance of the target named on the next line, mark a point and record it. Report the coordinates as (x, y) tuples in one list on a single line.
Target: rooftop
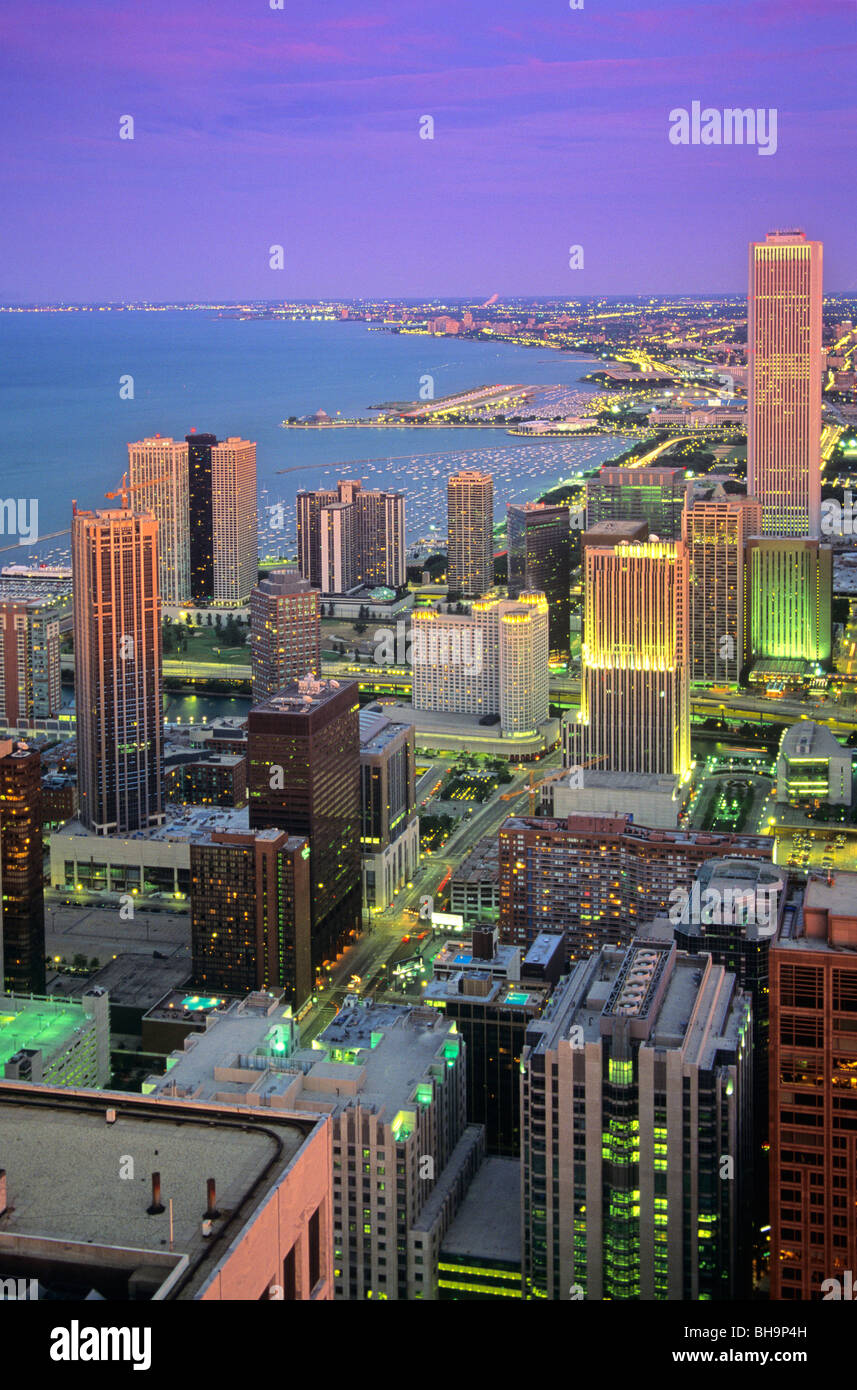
[(38, 1022), (488, 1224), (182, 823), (810, 740), (62, 1158), (301, 697)]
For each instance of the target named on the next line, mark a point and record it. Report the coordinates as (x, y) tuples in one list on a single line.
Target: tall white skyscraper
[(784, 382)]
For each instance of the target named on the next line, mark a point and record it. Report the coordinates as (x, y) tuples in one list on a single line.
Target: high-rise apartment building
[(634, 699), (597, 877), (117, 670), (784, 382), (654, 495), (390, 828), (351, 538), (304, 777), (285, 632), (813, 1064), (29, 661), (716, 527), (158, 479), (224, 551), (791, 582), (491, 661), (250, 913), (539, 557), (22, 904), (470, 517), (641, 1071)]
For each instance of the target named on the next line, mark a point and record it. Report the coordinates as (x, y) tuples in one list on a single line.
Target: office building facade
[(790, 591), (633, 1086), (539, 557), (634, 699), (117, 670), (390, 828), (813, 1060), (285, 633), (784, 355), (715, 531), (304, 777), (470, 520), (22, 916), (654, 495), (250, 913)]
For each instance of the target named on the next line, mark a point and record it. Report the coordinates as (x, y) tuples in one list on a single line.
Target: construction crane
[(125, 488), (532, 786)]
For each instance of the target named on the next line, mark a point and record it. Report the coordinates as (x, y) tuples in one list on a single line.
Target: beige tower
[(784, 382), (117, 670), (470, 561), (235, 541), (159, 482), (716, 528)]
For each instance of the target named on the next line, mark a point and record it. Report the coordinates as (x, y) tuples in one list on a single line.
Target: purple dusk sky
[(256, 126)]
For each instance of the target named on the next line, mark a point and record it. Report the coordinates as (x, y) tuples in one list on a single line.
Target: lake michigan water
[(65, 426)]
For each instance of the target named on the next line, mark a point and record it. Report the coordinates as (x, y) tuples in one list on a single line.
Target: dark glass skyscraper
[(539, 540), (200, 516), (304, 777), (22, 946)]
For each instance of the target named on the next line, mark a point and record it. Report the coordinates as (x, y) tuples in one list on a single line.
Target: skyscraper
[(200, 517), (304, 777), (250, 913), (117, 666), (813, 1002), (654, 495), (784, 382), (634, 709), (791, 581), (539, 541), (29, 660), (470, 557), (22, 906), (158, 476), (390, 828), (715, 530), (224, 551), (642, 1072), (351, 538), (285, 632)]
